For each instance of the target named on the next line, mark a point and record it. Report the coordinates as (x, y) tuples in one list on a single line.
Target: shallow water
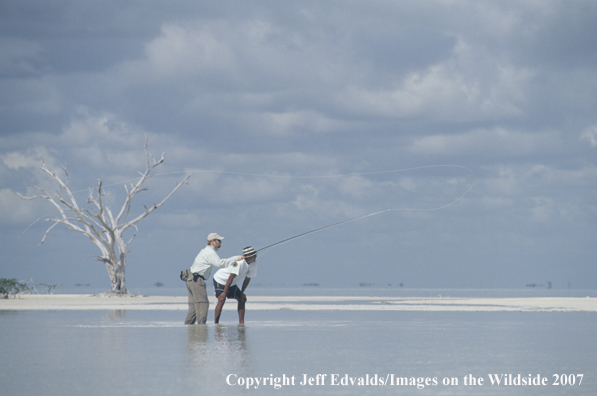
[(152, 353)]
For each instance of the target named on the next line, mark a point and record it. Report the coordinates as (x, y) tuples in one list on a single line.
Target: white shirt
[(207, 258), (241, 269)]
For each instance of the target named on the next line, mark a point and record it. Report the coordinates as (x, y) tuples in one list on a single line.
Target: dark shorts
[(233, 291)]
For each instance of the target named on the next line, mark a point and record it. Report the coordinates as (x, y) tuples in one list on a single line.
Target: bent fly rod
[(362, 217)]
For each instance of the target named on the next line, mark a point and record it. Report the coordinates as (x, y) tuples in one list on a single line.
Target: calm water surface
[(152, 353)]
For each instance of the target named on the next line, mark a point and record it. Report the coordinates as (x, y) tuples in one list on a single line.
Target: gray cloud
[(254, 98)]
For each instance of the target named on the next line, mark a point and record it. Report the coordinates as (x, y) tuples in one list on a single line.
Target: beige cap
[(214, 235)]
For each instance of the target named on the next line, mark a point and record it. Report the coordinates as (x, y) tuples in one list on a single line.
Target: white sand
[(87, 302)]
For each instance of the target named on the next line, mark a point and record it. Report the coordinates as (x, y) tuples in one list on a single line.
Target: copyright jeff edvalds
[(307, 380)]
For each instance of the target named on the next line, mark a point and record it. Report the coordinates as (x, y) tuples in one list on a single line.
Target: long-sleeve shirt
[(207, 258)]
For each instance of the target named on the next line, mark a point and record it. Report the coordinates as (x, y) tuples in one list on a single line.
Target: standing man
[(226, 280), (201, 268)]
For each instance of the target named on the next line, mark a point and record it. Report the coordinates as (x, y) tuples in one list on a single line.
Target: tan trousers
[(198, 302)]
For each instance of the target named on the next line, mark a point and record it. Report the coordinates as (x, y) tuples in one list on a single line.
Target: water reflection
[(231, 343), (198, 346), (117, 314), (216, 351)]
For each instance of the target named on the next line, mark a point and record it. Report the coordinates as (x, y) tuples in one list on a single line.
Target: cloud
[(544, 208), (288, 91), (12, 208), (308, 201), (491, 142), (218, 54), (104, 141), (293, 123), (100, 145), (190, 50), (470, 86), (176, 221), (39, 96), (246, 190), (92, 127), (590, 135), (20, 57), (538, 192), (28, 159)]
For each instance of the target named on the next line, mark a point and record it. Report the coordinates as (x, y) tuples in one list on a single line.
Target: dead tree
[(97, 221)]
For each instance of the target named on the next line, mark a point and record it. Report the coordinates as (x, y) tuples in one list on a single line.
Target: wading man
[(201, 268), (226, 280)]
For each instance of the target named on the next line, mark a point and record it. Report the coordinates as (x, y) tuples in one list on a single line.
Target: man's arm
[(216, 261)]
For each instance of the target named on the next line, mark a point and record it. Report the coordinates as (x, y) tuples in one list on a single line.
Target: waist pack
[(185, 275)]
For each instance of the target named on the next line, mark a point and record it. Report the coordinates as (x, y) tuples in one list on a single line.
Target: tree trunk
[(119, 286), (116, 271)]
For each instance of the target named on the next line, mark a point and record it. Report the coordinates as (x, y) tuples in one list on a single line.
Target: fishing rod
[(319, 229), (367, 215)]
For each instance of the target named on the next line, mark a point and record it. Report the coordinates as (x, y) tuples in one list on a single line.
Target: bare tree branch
[(97, 222)]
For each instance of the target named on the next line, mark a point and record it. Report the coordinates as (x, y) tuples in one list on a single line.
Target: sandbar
[(27, 302)]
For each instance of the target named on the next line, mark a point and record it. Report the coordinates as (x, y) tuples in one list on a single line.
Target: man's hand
[(222, 297)]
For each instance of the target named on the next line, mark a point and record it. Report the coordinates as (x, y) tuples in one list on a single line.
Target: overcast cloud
[(502, 92)]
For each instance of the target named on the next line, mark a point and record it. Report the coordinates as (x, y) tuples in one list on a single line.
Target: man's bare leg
[(241, 310), (218, 311)]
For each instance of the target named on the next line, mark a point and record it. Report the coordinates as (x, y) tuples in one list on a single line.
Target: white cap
[(214, 235)]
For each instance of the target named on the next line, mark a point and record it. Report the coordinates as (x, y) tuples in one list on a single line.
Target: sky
[(473, 121)]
